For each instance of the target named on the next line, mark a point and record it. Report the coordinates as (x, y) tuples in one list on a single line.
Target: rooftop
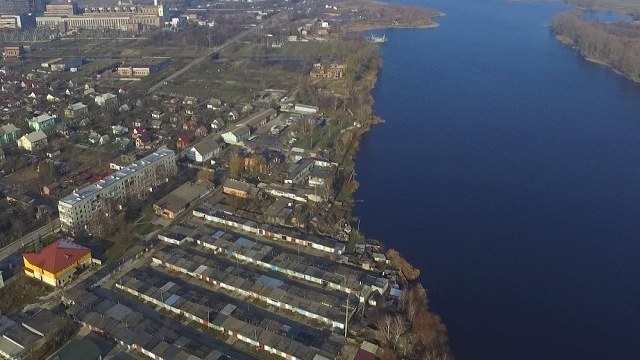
[(57, 256), (89, 190)]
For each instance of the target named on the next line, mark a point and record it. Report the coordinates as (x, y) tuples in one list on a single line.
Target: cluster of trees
[(616, 44), (400, 263), (413, 332)]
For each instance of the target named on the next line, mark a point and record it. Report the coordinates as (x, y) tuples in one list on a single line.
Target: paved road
[(212, 52), (28, 239)]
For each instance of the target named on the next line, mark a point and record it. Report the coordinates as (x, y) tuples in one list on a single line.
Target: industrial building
[(143, 67), (131, 182), (67, 16), (181, 198)]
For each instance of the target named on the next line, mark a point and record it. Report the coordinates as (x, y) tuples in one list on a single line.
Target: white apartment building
[(130, 182)]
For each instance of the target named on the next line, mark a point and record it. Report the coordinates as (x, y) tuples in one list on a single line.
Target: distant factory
[(67, 16)]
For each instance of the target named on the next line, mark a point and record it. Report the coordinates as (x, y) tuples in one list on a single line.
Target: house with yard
[(76, 110), (106, 100), (237, 135), (33, 141), (144, 141), (217, 124), (214, 104), (8, 133), (42, 122), (56, 264), (205, 150), (183, 142), (237, 188)]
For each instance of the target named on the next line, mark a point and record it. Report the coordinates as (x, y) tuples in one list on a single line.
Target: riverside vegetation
[(613, 44)]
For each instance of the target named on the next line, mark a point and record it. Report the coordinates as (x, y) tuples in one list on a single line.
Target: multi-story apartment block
[(131, 182)]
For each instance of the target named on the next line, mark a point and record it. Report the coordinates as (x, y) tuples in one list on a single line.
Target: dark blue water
[(508, 170), (607, 17)]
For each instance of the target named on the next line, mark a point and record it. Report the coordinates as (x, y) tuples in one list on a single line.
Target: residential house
[(33, 141), (237, 135), (214, 104), (238, 188), (144, 141), (138, 130), (217, 124), (205, 150), (119, 130), (190, 124), (8, 133), (299, 170), (76, 110), (51, 98), (36, 93), (190, 100), (125, 145), (42, 122), (233, 116), (55, 264), (106, 100), (201, 131), (156, 124), (156, 114), (98, 139), (183, 142)]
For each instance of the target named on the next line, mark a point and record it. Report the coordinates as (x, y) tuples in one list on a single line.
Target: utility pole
[(346, 319)]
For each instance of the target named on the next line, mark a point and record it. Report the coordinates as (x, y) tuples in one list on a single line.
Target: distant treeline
[(631, 7), (617, 44)]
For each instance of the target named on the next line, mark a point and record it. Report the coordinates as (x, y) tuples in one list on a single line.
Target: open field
[(118, 48), (19, 292), (236, 81)]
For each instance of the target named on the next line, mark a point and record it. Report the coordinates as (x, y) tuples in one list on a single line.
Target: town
[(177, 183)]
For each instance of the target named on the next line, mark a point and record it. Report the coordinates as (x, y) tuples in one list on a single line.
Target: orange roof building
[(56, 263)]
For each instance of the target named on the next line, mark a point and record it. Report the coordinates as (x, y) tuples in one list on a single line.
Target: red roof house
[(56, 263)]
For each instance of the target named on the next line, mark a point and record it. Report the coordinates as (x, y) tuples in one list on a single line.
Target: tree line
[(617, 44)]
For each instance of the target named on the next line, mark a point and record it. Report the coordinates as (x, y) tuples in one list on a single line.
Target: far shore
[(598, 61)]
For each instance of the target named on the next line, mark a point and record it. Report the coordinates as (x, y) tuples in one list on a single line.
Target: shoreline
[(602, 62), (408, 276)]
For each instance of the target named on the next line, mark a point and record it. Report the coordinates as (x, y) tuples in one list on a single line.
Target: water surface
[(508, 170)]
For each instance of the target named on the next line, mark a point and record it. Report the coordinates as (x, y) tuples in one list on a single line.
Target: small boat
[(377, 39)]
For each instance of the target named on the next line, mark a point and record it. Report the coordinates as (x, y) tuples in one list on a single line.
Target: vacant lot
[(19, 292), (237, 81)]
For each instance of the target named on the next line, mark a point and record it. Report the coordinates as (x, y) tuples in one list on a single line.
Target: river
[(508, 170)]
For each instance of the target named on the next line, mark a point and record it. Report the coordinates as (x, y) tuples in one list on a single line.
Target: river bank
[(427, 333), (600, 43)]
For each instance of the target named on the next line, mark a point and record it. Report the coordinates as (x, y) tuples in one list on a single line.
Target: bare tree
[(385, 325), (398, 328)]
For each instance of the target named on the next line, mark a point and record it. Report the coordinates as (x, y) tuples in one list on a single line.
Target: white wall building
[(132, 181)]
